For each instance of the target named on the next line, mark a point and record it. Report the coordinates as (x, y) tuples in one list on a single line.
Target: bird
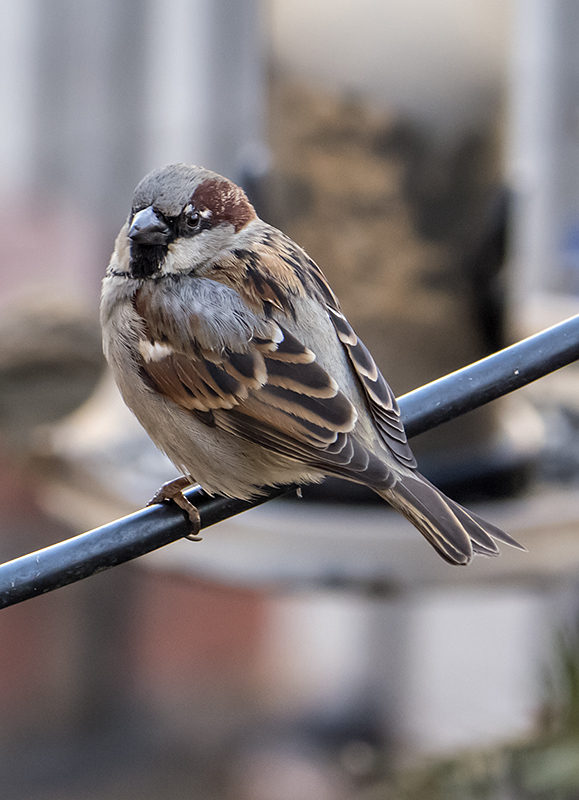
[(229, 346)]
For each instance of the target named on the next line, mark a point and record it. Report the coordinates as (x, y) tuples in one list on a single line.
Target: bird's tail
[(452, 530)]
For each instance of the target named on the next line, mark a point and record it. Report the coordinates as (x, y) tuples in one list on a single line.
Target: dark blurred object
[(483, 265)]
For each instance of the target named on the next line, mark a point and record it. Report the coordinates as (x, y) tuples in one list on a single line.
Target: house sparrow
[(230, 348)]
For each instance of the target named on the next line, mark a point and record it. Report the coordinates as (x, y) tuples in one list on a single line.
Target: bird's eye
[(192, 219)]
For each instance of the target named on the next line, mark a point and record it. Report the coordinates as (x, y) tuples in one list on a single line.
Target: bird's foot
[(173, 490)]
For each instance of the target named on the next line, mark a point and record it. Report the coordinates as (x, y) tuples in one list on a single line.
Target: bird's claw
[(173, 490)]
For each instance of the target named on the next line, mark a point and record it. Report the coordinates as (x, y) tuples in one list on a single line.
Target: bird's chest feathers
[(189, 312)]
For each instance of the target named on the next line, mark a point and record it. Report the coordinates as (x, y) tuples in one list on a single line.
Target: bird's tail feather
[(452, 530)]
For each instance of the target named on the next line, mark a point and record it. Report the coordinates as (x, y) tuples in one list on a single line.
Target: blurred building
[(542, 162), (96, 95)]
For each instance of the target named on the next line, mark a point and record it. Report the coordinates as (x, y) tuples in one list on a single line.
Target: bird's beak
[(146, 228)]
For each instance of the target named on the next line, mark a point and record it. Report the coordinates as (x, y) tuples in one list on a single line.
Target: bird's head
[(182, 217)]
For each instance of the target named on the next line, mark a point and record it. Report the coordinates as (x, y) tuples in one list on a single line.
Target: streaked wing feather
[(276, 395), (313, 380), (291, 350), (346, 457), (380, 396), (166, 381), (298, 428)]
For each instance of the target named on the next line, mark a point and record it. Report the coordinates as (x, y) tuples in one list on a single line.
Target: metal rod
[(154, 527), (491, 377)]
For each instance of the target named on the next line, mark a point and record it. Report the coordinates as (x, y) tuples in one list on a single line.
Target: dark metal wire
[(154, 527)]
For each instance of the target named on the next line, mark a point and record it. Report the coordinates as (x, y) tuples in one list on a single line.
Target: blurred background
[(426, 154)]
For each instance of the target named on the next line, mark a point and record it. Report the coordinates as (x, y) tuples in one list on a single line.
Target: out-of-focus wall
[(94, 95), (440, 63)]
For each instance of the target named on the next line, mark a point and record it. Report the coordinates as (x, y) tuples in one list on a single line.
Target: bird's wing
[(380, 397), (270, 390), (280, 258)]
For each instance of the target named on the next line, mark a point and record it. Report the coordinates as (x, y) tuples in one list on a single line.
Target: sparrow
[(229, 346)]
